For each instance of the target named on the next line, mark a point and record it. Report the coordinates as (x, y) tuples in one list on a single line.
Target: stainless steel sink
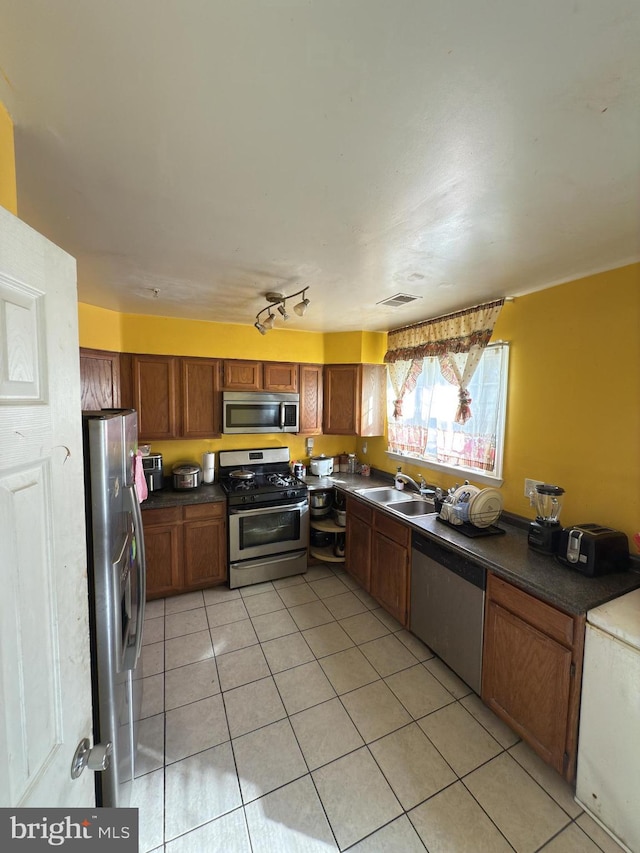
[(413, 507), (384, 495)]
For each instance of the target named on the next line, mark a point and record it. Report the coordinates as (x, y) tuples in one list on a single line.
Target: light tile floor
[(299, 716)]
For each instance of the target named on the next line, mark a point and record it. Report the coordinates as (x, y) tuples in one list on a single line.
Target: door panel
[(45, 683)]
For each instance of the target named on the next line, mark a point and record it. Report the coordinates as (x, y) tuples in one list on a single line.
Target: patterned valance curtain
[(457, 340)]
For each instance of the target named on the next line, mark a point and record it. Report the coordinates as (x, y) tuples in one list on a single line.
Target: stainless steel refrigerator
[(117, 586)]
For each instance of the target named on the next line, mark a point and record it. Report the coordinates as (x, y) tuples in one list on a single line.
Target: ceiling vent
[(398, 300)]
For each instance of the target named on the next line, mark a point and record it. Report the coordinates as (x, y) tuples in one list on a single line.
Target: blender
[(544, 532)]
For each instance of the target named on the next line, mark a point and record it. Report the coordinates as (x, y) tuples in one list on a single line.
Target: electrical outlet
[(530, 486), (309, 446), (364, 448)]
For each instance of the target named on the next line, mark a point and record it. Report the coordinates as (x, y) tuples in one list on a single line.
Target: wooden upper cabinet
[(155, 384), (99, 379), (175, 397), (354, 399), (239, 375), (310, 399), (200, 397), (280, 377), (242, 375)]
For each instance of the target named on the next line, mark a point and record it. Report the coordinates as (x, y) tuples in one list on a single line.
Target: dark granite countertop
[(507, 556), (204, 494)]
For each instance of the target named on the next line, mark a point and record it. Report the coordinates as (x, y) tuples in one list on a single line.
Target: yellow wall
[(574, 397), (8, 195), (109, 330), (573, 415)]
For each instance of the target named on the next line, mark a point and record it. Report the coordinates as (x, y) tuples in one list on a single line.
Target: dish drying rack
[(455, 510)]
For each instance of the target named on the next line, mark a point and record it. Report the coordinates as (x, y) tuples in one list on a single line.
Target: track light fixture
[(279, 301)]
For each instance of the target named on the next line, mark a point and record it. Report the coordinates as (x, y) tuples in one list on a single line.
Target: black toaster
[(593, 550)]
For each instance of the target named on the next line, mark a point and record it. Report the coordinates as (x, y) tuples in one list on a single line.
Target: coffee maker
[(545, 531)]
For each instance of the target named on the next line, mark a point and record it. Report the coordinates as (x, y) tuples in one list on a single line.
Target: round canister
[(186, 477)]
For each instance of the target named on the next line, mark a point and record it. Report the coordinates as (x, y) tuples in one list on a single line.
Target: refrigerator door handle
[(142, 569)]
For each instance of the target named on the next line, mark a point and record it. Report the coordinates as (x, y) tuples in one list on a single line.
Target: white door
[(45, 684)]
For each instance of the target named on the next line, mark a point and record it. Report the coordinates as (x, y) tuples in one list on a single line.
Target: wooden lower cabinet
[(186, 548), (358, 544), (163, 545), (205, 545), (532, 671), (377, 556), (390, 573)]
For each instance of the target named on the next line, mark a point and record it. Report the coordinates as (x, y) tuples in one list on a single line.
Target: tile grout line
[(390, 632)]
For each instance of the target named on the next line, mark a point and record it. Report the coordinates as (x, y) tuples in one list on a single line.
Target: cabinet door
[(341, 399), (155, 388), (200, 398), (310, 399), (205, 546), (526, 680), (280, 377), (99, 379), (358, 551), (373, 399), (242, 375), (163, 548), (390, 576)]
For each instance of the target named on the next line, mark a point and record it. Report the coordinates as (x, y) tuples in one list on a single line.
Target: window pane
[(427, 429)]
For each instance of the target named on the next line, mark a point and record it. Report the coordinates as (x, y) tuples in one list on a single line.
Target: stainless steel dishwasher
[(447, 606)]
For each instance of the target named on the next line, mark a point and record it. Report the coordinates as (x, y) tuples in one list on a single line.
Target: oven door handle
[(264, 510)]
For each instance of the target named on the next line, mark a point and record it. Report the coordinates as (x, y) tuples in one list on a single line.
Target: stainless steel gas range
[(268, 515)]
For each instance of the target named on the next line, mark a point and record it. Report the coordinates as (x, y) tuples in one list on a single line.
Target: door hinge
[(572, 670)]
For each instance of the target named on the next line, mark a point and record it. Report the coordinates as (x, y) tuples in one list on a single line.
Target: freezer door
[(116, 570)]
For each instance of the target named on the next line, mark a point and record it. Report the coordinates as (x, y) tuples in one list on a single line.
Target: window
[(426, 430)]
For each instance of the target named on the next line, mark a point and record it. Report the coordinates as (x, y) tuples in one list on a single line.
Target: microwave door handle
[(142, 569), (282, 415)]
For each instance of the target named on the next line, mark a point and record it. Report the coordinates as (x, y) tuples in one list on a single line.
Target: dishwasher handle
[(460, 565)]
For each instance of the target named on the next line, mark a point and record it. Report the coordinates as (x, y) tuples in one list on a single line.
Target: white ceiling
[(214, 150)]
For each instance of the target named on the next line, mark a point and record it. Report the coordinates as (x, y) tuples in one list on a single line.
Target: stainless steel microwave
[(258, 411)]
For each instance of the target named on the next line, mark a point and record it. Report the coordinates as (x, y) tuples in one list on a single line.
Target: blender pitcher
[(544, 532)]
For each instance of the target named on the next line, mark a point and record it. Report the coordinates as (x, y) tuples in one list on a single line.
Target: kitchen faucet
[(405, 478)]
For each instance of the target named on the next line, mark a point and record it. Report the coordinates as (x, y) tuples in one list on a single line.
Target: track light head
[(260, 327), (302, 306), (282, 309), (268, 323)]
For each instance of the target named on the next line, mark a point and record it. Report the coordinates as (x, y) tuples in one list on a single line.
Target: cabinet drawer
[(360, 510), (392, 529), (211, 510), (555, 624), (164, 515)]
